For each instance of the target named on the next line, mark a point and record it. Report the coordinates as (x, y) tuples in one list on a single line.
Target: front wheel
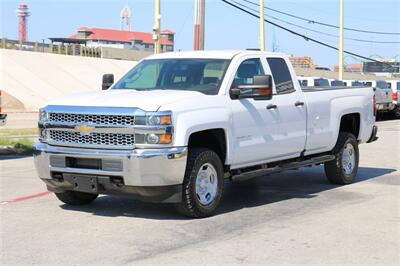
[(202, 184), (344, 168)]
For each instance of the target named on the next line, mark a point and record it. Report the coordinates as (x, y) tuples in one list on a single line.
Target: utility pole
[(341, 40), (199, 24), (262, 26), (196, 25), (157, 26), (202, 23)]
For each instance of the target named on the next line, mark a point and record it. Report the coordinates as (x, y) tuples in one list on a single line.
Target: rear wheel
[(203, 183), (76, 198), (344, 168)]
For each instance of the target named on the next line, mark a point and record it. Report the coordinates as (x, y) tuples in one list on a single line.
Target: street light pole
[(262, 26), (341, 40)]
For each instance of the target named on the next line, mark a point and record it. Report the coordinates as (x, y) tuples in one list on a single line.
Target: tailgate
[(383, 95)]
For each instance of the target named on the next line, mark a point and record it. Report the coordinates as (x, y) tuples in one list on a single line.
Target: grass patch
[(18, 132), (19, 146)]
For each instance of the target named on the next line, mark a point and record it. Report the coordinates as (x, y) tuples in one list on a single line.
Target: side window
[(247, 70), (281, 75)]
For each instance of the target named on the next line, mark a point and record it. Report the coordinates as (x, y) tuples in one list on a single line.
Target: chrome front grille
[(111, 140), (96, 119)]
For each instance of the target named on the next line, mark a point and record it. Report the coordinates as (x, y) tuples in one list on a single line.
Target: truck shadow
[(303, 184)]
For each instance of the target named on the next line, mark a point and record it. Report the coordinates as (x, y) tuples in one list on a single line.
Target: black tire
[(76, 198), (190, 205), (334, 169)]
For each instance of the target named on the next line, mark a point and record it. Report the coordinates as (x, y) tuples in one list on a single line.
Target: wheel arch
[(350, 123), (214, 139)]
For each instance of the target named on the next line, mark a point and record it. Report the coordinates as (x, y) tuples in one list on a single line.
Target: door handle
[(298, 103), (271, 106)]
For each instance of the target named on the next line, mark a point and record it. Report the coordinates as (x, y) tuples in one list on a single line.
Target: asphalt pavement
[(296, 217)]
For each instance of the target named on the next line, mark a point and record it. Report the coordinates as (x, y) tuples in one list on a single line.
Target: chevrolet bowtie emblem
[(84, 130)]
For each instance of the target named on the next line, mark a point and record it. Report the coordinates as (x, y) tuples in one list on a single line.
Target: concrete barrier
[(33, 78)]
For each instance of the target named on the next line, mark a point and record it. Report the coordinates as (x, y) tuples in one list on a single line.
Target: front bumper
[(144, 172)]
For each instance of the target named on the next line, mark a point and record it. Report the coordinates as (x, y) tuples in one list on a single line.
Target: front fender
[(193, 121)]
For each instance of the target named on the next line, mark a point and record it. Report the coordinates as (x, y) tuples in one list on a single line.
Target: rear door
[(290, 111)]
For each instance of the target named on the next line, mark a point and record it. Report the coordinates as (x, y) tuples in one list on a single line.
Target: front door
[(255, 127), (268, 130)]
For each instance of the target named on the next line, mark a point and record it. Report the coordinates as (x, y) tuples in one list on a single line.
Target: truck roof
[(221, 54)]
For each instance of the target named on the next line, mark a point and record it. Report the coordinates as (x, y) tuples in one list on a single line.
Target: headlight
[(151, 128), (154, 119), (43, 115)]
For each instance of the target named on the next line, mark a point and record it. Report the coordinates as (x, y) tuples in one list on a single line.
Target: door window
[(281, 75), (246, 71)]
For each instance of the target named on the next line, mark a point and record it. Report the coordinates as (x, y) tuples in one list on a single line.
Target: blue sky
[(226, 28)]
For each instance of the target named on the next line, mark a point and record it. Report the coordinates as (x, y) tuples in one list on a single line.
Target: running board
[(283, 167)]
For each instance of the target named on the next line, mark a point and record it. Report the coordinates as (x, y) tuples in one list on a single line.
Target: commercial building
[(302, 62), (140, 41)]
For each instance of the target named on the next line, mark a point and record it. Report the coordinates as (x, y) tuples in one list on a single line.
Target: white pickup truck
[(178, 124)]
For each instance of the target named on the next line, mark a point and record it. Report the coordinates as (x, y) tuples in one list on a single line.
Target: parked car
[(177, 124), (3, 116), (394, 85), (313, 82), (353, 83), (337, 83), (383, 95)]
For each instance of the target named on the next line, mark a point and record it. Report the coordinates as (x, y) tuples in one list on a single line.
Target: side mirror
[(108, 80), (260, 90)]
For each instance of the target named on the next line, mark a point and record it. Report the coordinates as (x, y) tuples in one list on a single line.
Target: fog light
[(152, 139)]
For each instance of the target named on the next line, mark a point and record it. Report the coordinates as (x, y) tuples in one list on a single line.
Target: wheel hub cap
[(348, 159), (206, 184)]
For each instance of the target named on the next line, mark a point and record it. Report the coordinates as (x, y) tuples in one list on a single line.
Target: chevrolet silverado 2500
[(177, 124)]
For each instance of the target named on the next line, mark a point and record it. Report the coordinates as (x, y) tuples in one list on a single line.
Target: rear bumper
[(155, 174), (373, 136)]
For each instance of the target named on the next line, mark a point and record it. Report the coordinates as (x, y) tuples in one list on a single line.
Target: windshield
[(202, 75)]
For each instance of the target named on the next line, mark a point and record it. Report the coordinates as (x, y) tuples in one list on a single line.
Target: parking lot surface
[(291, 218)]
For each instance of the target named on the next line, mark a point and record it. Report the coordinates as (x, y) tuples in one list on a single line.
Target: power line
[(316, 31), (322, 23), (301, 35)]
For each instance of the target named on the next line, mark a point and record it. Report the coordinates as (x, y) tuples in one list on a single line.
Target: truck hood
[(145, 100)]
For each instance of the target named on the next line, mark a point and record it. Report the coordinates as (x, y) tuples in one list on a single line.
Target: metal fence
[(74, 49)]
